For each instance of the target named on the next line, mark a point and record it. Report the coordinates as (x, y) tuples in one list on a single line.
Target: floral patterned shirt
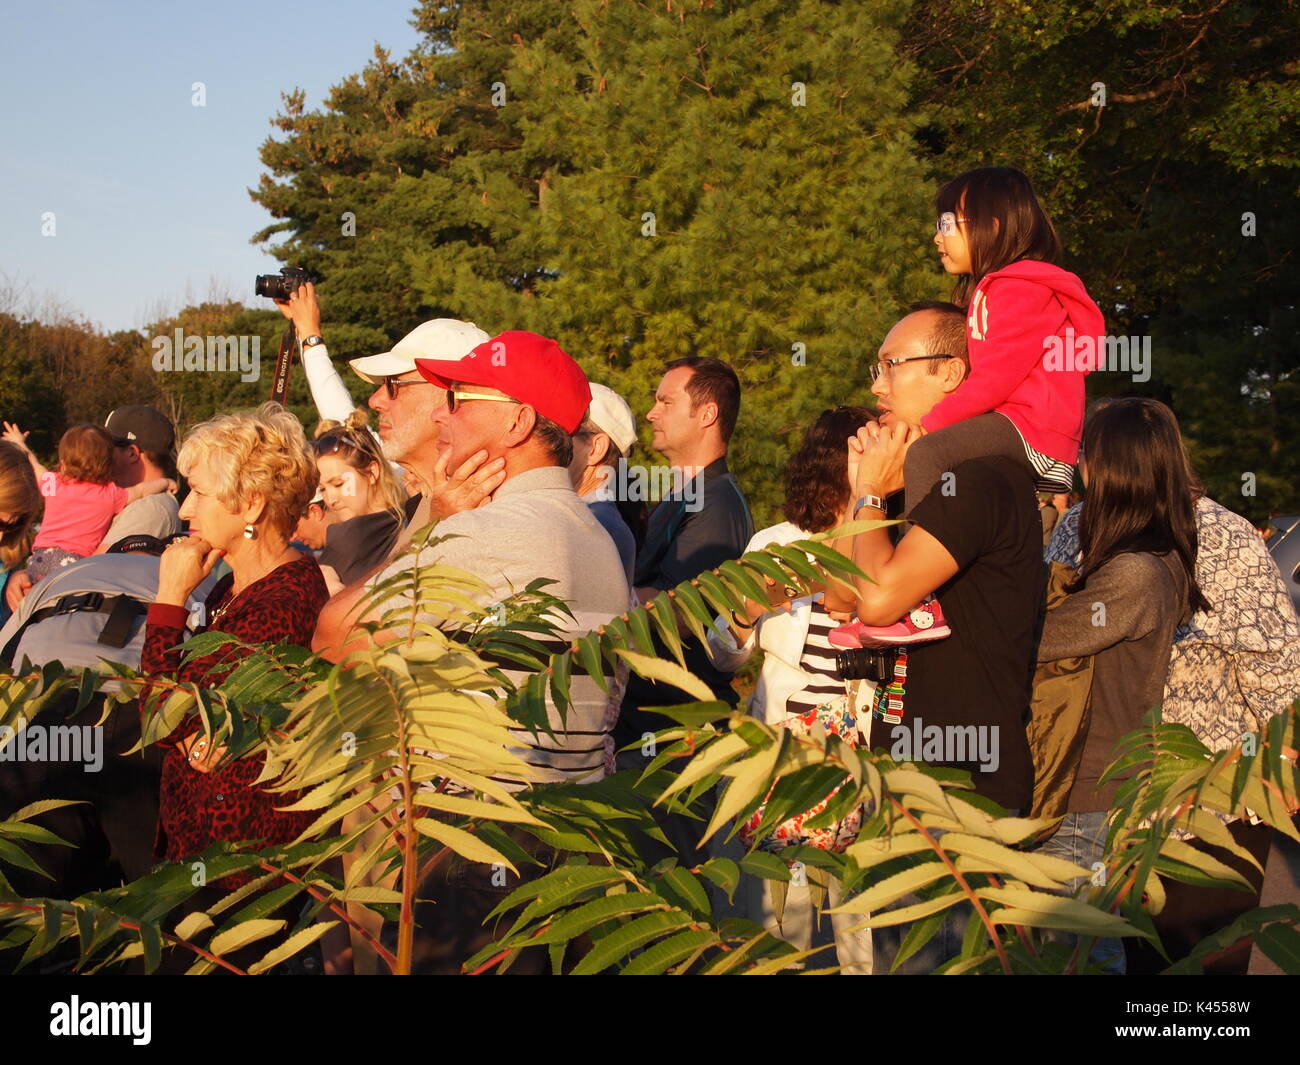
[(1236, 666)]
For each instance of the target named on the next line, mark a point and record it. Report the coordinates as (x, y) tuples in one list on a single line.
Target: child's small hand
[(15, 435)]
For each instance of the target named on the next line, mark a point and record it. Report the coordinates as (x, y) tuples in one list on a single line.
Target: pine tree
[(726, 179)]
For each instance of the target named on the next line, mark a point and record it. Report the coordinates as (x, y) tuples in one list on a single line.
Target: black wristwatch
[(312, 341)]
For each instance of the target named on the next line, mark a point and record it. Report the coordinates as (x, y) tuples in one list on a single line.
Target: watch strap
[(313, 340), (868, 501)]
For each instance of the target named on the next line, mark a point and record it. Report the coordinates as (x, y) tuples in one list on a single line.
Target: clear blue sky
[(149, 192)]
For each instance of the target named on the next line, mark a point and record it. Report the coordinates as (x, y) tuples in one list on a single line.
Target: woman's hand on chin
[(182, 567)]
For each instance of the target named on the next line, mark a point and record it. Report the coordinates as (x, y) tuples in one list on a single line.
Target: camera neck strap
[(283, 363)]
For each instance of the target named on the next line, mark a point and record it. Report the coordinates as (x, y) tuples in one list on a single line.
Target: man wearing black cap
[(144, 441)]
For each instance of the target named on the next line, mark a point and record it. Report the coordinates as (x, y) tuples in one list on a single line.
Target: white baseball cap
[(441, 338), (610, 414)]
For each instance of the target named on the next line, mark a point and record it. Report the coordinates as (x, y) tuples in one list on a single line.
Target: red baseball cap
[(526, 367)]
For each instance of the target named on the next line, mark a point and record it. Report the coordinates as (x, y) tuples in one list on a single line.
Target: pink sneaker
[(919, 625), (847, 637)]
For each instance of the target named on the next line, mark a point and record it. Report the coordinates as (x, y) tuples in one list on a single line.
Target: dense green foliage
[(506, 170)]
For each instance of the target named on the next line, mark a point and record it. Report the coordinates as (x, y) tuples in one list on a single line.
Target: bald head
[(932, 341)]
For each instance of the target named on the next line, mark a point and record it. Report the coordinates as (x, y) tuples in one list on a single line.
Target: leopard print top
[(198, 809)]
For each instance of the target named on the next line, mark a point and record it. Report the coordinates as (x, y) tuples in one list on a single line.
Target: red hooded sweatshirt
[(1011, 319)]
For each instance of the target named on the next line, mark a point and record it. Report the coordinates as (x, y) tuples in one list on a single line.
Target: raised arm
[(152, 487), (18, 438), (328, 392)]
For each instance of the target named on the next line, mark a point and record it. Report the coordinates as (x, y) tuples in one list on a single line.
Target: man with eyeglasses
[(520, 398), (404, 403), (975, 540)]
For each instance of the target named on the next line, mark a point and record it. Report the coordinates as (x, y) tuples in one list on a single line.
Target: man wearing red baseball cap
[(522, 366), (517, 397)]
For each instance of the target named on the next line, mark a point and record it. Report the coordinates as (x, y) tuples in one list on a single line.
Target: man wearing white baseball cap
[(404, 402), (604, 440)]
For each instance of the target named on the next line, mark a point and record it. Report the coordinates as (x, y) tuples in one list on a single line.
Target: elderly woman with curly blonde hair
[(251, 474)]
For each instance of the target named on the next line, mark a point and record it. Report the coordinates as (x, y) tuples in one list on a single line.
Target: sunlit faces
[(473, 426), (676, 427), (407, 428), (907, 392), (347, 491), (951, 236), (209, 518)]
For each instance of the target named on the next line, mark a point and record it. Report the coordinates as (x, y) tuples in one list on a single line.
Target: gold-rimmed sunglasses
[(455, 399)]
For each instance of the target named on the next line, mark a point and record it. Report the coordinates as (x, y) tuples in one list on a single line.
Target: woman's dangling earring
[(250, 533)]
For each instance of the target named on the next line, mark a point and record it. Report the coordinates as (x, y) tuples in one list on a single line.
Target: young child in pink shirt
[(81, 499)]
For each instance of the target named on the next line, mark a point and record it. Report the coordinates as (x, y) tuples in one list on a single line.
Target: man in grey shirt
[(518, 397), (144, 443)]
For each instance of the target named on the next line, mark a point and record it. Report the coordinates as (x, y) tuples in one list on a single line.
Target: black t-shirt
[(688, 533), (981, 674), (356, 546)]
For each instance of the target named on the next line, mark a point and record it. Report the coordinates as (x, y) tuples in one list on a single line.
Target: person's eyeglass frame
[(946, 224), (455, 398), (392, 384), (885, 367)]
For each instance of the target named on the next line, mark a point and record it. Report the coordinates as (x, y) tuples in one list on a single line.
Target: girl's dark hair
[(1140, 492), (817, 476), (1004, 223)]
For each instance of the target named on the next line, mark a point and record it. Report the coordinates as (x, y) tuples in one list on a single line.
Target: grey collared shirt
[(537, 526)]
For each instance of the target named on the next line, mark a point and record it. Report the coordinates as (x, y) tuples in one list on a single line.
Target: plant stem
[(342, 912), (177, 940)]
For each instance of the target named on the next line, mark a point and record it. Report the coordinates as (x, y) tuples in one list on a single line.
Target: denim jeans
[(1081, 839), (943, 946)]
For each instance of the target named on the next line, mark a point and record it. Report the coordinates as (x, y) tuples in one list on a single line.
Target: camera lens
[(272, 286), (866, 664)]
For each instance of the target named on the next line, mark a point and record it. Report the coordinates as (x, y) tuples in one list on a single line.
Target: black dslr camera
[(867, 663), (282, 285)]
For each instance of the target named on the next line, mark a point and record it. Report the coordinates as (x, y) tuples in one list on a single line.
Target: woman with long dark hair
[(1136, 583)]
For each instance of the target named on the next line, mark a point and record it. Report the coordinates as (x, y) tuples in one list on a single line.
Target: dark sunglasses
[(392, 384), (334, 441)]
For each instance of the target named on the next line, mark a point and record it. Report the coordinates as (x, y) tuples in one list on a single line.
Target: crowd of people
[(970, 438)]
